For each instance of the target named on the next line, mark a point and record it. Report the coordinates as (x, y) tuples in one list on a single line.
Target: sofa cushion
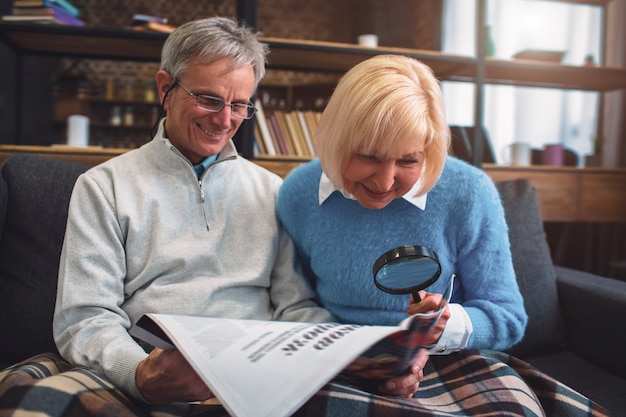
[(38, 192), (534, 269)]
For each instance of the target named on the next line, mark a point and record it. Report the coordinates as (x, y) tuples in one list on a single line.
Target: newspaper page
[(393, 355), (271, 368)]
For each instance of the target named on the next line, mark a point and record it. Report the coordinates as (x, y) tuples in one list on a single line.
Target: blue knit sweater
[(463, 222)]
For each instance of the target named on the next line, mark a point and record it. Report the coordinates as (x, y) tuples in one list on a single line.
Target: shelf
[(570, 194), (539, 74), (303, 55), (83, 42), (338, 57)]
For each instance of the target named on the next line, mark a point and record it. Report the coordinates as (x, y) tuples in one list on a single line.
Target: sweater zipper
[(206, 219), (180, 155), (201, 191)]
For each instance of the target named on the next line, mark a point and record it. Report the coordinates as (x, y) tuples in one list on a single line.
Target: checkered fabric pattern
[(469, 383)]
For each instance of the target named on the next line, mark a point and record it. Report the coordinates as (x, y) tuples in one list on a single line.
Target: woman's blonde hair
[(380, 103)]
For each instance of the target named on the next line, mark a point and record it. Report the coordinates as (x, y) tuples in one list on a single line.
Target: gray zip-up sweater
[(144, 235)]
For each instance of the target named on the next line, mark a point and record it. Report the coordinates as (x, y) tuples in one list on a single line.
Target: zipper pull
[(201, 191)]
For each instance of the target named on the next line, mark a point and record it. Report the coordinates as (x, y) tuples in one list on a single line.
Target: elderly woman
[(384, 179)]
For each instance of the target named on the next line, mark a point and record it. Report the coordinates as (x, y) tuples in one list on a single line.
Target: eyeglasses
[(216, 104)]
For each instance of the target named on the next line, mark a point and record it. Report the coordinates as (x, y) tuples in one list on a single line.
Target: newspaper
[(271, 368)]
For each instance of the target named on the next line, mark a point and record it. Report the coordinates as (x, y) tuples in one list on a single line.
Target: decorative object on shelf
[(552, 154), (129, 93), (517, 153), (116, 116), (569, 158), (109, 91), (78, 130), (129, 117), (149, 95), (369, 40), (490, 46), (538, 55), (589, 61)]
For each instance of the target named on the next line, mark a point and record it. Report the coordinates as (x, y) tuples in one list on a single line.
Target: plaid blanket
[(469, 383)]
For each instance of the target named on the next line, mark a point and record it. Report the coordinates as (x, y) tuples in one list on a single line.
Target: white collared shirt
[(327, 188)]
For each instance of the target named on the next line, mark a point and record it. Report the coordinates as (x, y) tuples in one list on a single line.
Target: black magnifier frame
[(399, 257)]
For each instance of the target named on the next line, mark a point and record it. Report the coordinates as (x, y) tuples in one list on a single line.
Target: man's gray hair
[(208, 40)]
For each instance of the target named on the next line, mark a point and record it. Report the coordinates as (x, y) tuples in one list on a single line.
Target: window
[(535, 115)]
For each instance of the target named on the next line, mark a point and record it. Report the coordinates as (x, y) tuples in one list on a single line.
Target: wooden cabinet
[(569, 194)]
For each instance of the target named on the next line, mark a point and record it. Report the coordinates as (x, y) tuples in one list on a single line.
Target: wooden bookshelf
[(566, 194), (307, 55)]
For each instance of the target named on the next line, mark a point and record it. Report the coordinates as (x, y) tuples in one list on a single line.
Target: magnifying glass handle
[(416, 297)]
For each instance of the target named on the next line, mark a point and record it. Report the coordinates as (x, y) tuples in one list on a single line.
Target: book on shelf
[(139, 18), (154, 26), (278, 136), (275, 139), (271, 368), (61, 5), (265, 136), (281, 120), (56, 17), (296, 135), (312, 118), (289, 133), (306, 132), (258, 141)]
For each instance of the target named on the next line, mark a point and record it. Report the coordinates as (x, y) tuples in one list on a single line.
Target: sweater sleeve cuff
[(124, 370), (456, 334)]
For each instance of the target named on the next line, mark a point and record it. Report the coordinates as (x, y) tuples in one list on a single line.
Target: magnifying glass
[(406, 270)]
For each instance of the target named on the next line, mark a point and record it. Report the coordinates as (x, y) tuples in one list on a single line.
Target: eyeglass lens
[(216, 104)]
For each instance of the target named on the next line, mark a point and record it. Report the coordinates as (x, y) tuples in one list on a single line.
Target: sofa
[(577, 321)]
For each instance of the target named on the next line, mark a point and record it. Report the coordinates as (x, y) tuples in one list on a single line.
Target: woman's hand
[(430, 302), (165, 376), (406, 385)]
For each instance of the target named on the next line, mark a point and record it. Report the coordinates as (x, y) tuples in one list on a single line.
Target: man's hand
[(165, 376), (406, 385), (429, 303)]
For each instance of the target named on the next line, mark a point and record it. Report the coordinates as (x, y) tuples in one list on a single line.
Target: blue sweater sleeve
[(490, 293)]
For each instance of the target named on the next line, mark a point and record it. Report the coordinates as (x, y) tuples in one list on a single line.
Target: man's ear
[(165, 82)]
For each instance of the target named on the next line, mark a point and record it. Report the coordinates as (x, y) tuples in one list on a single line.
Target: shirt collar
[(327, 188), (200, 167)]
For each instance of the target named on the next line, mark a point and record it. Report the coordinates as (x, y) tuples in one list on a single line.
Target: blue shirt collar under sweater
[(200, 167), (327, 188)]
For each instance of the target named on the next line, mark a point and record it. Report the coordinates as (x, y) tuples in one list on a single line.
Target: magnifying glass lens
[(406, 270)]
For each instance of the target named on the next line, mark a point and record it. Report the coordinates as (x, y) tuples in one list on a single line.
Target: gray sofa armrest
[(594, 309)]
